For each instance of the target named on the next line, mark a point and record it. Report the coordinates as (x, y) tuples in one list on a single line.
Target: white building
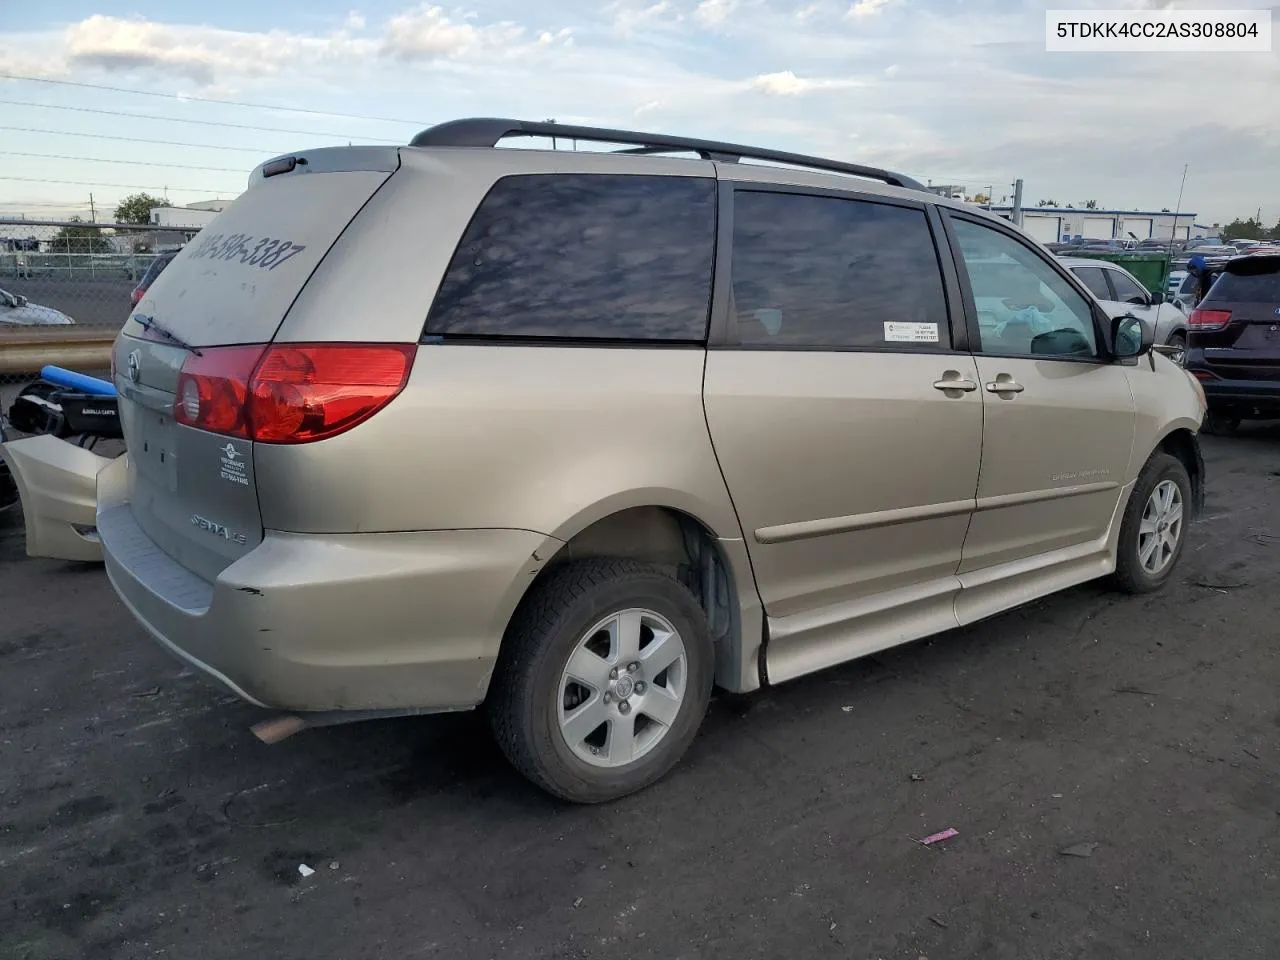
[(192, 215), (1060, 224)]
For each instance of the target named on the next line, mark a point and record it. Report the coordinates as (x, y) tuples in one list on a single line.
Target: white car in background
[(18, 311), (1120, 292)]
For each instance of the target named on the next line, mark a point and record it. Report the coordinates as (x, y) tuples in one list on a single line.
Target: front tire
[(1179, 342), (603, 680), (1153, 530)]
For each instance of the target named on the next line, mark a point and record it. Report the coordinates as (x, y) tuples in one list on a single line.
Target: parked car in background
[(1233, 344), (652, 453), (154, 270), (16, 310), (1119, 292)]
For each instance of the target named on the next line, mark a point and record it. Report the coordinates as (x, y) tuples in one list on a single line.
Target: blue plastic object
[(77, 381)]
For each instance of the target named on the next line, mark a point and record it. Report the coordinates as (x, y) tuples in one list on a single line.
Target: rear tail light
[(1208, 319), (289, 393), (1204, 375)]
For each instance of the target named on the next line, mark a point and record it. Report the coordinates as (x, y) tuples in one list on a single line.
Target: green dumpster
[(1151, 269)]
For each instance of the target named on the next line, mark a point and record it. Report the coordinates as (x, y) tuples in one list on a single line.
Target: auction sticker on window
[(898, 331)]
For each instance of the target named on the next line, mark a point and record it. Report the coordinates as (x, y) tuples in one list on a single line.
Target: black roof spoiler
[(488, 132), (1253, 264)]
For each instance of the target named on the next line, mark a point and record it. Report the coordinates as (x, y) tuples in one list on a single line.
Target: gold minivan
[(575, 435)]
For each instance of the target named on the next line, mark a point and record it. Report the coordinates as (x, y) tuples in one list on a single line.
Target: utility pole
[(93, 213), (1016, 214)]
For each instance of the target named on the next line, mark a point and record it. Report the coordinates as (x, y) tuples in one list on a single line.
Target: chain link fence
[(65, 289), (65, 292)]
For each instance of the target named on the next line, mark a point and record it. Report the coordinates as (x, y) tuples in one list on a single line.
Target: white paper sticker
[(897, 331)]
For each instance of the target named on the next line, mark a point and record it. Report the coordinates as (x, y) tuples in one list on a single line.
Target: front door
[(848, 429), (1059, 417)]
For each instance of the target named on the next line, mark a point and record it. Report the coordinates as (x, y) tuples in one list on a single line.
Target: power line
[(203, 123), (135, 163), (162, 143), (229, 103), (124, 186)]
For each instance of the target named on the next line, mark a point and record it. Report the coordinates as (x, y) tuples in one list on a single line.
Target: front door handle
[(952, 380), (1003, 383)]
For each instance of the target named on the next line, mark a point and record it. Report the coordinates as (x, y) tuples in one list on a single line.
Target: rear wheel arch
[(693, 553)]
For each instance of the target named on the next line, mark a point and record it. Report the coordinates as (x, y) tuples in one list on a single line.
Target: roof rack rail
[(488, 132)]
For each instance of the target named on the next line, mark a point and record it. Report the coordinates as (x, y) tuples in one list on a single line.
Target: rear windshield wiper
[(149, 324)]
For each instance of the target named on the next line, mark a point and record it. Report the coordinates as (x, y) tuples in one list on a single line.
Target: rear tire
[(603, 680), (1179, 342), (1220, 425), (1154, 527)]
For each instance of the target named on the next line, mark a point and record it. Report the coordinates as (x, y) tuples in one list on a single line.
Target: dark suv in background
[(148, 278), (1233, 344)]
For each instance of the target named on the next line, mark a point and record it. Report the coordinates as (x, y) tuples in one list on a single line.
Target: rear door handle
[(1003, 383), (953, 381)]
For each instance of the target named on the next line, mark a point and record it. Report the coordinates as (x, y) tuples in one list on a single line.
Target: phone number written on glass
[(265, 253)]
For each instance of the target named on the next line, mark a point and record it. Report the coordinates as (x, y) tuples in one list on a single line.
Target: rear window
[(1262, 288), (599, 257)]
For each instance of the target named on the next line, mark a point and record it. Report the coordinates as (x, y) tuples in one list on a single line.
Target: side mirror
[(20, 301), (1130, 337), (1157, 298)]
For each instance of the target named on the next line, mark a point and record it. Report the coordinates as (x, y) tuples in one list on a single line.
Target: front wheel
[(1179, 343), (604, 677), (1153, 530)]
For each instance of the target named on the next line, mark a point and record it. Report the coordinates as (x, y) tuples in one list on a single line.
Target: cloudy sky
[(957, 91)]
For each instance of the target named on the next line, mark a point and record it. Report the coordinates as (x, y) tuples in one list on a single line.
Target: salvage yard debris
[(933, 838)]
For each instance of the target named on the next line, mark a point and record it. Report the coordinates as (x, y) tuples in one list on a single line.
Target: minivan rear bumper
[(321, 622)]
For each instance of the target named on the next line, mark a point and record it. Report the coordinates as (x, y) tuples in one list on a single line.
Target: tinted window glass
[(824, 272), (1263, 288), (612, 257), (1127, 290), (1024, 306), (154, 270), (1093, 278)]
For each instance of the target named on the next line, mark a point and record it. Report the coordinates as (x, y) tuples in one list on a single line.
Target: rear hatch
[(191, 490), (1238, 323)]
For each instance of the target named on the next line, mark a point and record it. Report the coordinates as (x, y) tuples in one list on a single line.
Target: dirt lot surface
[(1110, 764)]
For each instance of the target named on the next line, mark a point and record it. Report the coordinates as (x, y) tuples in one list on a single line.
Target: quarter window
[(1127, 290), (1025, 307), (823, 272), (1095, 280), (597, 257)]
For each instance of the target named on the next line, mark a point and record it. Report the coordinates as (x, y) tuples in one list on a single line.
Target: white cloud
[(427, 33), (869, 8), (628, 17), (891, 70), (201, 54), (713, 12), (787, 84)]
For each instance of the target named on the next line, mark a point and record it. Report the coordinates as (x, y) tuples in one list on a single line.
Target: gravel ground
[(1110, 764)]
